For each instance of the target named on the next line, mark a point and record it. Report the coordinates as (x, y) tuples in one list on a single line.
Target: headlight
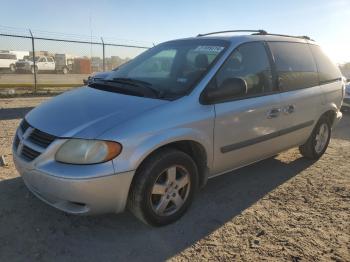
[(81, 151)]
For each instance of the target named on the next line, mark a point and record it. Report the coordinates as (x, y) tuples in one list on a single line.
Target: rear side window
[(295, 65), (327, 70)]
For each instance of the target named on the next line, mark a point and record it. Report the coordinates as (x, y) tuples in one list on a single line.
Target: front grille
[(24, 125), (41, 138), (29, 154), (28, 137)]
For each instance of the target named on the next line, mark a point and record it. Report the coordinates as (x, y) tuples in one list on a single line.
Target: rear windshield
[(173, 67)]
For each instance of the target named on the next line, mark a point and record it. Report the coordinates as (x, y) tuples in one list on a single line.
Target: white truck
[(61, 63), (42, 63)]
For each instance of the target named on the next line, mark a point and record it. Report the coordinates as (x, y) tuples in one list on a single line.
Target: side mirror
[(230, 88)]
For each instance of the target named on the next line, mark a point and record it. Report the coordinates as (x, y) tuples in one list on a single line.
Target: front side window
[(250, 63), (327, 70), (295, 65), (49, 59), (171, 68)]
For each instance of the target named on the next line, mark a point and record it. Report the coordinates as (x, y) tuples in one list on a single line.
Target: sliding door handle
[(289, 109), (273, 113)]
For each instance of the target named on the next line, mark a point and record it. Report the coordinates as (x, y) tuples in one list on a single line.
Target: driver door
[(247, 126)]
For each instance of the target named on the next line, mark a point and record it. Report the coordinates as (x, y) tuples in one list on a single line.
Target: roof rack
[(293, 36), (262, 32), (255, 32)]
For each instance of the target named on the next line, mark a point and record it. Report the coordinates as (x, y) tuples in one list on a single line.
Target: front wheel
[(318, 142), (163, 187), (65, 70)]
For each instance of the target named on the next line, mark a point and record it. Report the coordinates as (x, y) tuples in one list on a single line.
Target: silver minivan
[(152, 132)]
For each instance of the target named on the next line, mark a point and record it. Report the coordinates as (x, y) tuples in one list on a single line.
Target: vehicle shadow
[(32, 230), (14, 113)]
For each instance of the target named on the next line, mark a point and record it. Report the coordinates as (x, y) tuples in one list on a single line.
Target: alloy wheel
[(170, 190), (321, 138)]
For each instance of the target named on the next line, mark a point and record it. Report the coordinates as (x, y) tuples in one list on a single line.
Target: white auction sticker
[(209, 49)]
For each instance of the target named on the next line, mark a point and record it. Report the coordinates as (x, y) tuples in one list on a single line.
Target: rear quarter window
[(295, 65), (327, 70)]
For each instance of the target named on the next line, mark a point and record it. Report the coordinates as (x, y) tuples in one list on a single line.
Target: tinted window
[(295, 65), (326, 68), (49, 59), (249, 62)]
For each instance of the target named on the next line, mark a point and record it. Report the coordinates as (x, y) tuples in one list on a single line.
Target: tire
[(12, 68), (65, 70), (153, 195), (311, 149)]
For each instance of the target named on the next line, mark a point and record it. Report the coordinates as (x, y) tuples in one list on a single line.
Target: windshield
[(172, 68), (30, 58)]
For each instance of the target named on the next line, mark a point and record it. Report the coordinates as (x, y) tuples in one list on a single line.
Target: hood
[(24, 62), (87, 112), (102, 74)]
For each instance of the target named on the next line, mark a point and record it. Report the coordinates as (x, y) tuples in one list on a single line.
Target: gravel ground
[(285, 208)]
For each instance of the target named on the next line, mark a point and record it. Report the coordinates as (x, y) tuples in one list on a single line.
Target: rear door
[(246, 127), (301, 96)]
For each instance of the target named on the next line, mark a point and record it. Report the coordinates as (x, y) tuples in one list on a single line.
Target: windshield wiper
[(109, 86), (137, 83)]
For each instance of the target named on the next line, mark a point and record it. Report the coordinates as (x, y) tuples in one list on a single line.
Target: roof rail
[(255, 32), (260, 32), (293, 36)]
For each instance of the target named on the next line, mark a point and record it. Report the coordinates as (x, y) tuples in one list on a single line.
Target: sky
[(155, 21)]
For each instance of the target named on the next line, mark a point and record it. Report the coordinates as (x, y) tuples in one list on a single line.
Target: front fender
[(140, 148)]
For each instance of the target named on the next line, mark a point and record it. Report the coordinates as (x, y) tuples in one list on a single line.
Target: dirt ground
[(281, 209)]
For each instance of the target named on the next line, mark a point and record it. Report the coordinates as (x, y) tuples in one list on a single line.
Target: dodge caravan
[(151, 133)]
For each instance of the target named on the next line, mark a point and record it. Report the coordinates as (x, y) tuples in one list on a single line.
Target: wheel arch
[(194, 149)]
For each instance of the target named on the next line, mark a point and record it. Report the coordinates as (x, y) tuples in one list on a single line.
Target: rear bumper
[(95, 195)]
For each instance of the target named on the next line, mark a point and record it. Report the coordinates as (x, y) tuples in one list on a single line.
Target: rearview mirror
[(229, 89)]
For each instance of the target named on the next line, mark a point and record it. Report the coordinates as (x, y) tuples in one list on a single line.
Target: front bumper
[(106, 192)]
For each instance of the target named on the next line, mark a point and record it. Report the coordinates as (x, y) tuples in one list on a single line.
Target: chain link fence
[(33, 63)]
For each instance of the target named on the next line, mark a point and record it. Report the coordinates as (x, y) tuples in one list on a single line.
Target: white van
[(8, 61)]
